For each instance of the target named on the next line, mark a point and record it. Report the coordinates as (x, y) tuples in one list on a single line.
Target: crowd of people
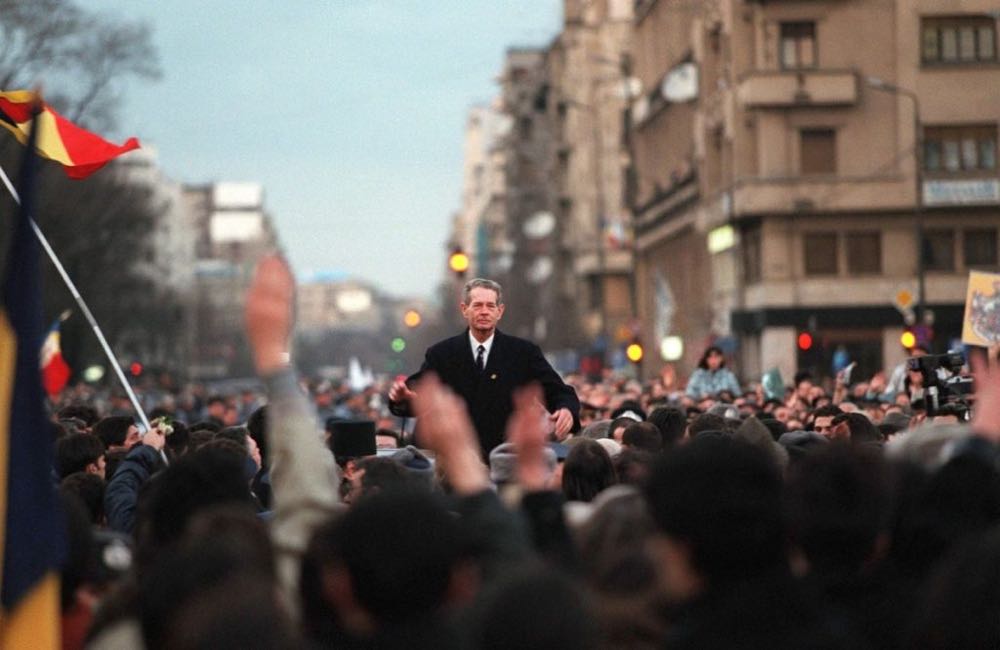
[(703, 515)]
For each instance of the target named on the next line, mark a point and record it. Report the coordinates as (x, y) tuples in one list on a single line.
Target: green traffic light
[(398, 344)]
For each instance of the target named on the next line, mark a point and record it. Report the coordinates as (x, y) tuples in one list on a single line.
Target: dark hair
[(703, 362), (826, 411), (113, 430), (194, 482), (74, 452), (389, 433), (723, 498), (178, 440), (671, 422), (961, 599), (619, 423), (235, 434), (862, 429), (206, 425), (535, 607), (215, 399), (643, 435), (84, 412), (836, 501), (385, 475), (588, 470), (89, 489), (775, 427), (706, 422), (257, 428), (399, 550)]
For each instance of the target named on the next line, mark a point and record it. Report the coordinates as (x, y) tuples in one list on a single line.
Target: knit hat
[(414, 461), (503, 463)]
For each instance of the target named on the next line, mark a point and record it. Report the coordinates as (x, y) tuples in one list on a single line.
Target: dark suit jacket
[(512, 362)]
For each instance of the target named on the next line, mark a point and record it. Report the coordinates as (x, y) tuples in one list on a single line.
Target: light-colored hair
[(482, 283)]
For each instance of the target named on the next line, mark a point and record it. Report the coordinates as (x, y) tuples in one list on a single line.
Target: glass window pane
[(930, 46), (939, 250), (967, 43), (988, 154), (820, 250), (970, 153), (951, 159), (864, 252), (788, 53), (932, 156), (949, 44), (981, 247), (987, 44), (807, 51)]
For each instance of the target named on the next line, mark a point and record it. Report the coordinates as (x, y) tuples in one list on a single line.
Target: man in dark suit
[(484, 366)]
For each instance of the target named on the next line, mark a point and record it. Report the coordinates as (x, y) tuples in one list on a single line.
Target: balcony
[(790, 88)]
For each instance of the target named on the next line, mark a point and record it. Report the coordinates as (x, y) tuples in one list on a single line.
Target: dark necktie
[(479, 357)]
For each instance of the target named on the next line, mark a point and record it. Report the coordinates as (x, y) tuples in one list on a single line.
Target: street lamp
[(918, 206)]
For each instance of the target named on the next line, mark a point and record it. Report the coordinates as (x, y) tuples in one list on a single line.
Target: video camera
[(945, 389)]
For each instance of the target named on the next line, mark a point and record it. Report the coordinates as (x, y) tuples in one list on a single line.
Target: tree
[(101, 228), (82, 57)]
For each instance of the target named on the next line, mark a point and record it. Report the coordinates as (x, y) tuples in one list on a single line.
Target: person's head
[(212, 475), (117, 431), (535, 608), (836, 502), (89, 489), (80, 452), (257, 428), (84, 412), (858, 427), (823, 419), (617, 427), (588, 470), (386, 439), (712, 359), (803, 385), (716, 504), (482, 306), (215, 407), (391, 559), (706, 422), (644, 436), (671, 422)]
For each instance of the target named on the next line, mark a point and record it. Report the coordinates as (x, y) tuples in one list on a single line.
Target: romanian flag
[(80, 152), (55, 370), (31, 527)]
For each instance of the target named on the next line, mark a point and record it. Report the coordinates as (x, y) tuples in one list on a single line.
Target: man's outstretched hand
[(400, 392), (269, 313), (563, 422)]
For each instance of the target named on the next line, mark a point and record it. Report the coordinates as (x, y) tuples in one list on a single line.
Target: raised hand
[(269, 313)]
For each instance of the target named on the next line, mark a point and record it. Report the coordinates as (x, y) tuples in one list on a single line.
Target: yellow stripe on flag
[(35, 622), (8, 354), (50, 140)]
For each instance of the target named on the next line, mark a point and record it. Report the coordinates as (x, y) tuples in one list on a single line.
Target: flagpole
[(83, 305)]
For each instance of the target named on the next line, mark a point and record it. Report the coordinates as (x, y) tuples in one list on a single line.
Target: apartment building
[(801, 165)]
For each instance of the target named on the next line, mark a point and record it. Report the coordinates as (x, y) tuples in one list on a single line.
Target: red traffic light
[(135, 369), (805, 341)]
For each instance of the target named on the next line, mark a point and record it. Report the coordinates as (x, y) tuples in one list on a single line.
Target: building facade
[(804, 167)]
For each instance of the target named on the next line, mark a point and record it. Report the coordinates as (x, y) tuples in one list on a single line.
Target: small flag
[(80, 152), (55, 370), (31, 528)]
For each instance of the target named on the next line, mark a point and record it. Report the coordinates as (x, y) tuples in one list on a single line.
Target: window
[(980, 247), (939, 250), (818, 151), (750, 240), (864, 252), (798, 45), (820, 249), (957, 149), (958, 39), (524, 128)]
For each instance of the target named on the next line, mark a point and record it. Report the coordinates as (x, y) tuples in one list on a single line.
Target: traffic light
[(908, 339), (805, 341), (135, 369), (458, 261), (634, 352), (411, 318)]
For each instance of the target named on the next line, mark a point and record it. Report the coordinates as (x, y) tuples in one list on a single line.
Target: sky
[(350, 113)]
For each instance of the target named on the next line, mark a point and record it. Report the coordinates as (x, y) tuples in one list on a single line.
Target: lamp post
[(918, 206)]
